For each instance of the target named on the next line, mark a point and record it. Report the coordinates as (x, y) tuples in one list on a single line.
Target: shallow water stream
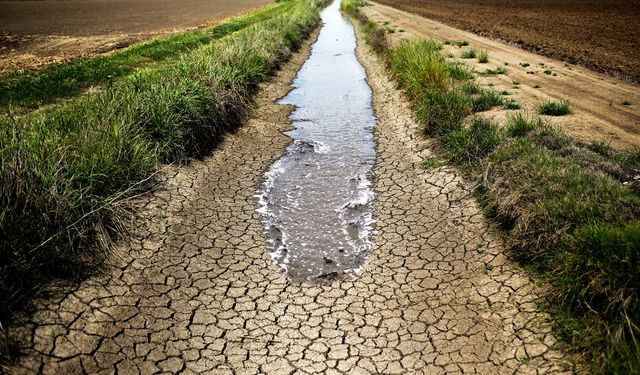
[(316, 199)]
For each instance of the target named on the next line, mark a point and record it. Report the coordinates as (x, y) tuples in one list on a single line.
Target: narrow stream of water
[(316, 199)]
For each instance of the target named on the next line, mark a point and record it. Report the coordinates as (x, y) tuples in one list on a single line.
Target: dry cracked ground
[(195, 291)]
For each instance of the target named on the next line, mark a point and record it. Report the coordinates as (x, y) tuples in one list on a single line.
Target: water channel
[(316, 200)]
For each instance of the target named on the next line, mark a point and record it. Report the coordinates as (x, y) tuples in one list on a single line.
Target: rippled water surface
[(316, 200)]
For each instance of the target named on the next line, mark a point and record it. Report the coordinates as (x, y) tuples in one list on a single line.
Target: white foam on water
[(316, 201)]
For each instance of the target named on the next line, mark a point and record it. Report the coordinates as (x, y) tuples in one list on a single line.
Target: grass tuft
[(519, 124), (468, 146), (485, 100), (554, 108), (511, 104), (469, 54), (493, 72), (483, 56)]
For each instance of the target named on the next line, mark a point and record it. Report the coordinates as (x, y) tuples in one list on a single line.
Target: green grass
[(511, 105), (483, 56), (65, 170), (467, 146), (352, 6), (461, 43), (520, 124), (493, 72), (471, 53), (23, 91), (570, 211), (485, 100), (554, 108)]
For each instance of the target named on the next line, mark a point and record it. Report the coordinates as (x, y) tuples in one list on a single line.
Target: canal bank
[(196, 291)]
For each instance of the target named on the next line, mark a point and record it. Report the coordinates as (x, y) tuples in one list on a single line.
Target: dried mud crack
[(195, 290)]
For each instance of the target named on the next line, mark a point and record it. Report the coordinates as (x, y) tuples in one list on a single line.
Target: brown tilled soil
[(35, 33), (604, 108), (603, 35)]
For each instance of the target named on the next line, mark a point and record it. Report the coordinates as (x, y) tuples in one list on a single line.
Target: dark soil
[(602, 35)]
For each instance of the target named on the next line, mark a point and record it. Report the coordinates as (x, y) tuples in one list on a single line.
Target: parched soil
[(36, 33), (604, 108), (195, 291), (603, 35)]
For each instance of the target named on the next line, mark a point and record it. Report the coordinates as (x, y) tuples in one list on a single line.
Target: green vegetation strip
[(570, 210), (64, 171), (22, 91)]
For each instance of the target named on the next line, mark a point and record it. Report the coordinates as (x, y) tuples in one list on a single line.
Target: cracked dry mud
[(196, 291)]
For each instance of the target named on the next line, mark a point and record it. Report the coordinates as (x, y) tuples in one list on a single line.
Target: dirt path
[(599, 112), (196, 290)]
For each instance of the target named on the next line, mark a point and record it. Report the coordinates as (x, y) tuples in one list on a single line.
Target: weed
[(432, 163), (520, 124), (483, 56), (493, 72), (486, 100), (547, 72), (462, 43), (468, 146), (471, 88), (459, 72), (554, 108), (352, 6), (537, 86), (469, 54), (601, 148), (511, 105), (626, 102), (524, 65)]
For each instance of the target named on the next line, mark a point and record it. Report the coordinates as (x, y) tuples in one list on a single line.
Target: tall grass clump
[(554, 108), (519, 124), (470, 145), (65, 171), (484, 100), (483, 56), (570, 211), (471, 53)]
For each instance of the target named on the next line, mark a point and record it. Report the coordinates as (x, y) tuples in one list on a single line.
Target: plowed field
[(602, 35), (34, 33)]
